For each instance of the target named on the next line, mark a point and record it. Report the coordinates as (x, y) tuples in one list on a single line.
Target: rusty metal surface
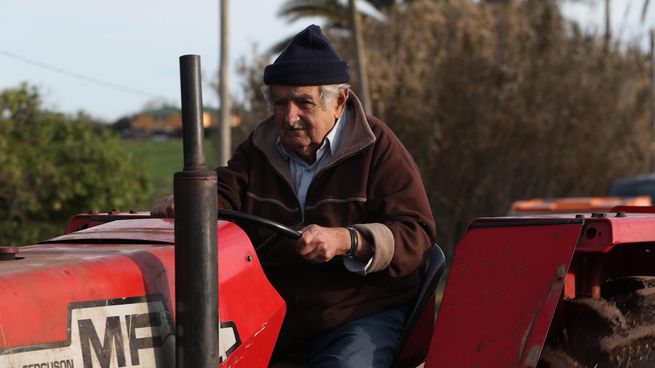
[(83, 221), (8, 253), (146, 230), (501, 293)]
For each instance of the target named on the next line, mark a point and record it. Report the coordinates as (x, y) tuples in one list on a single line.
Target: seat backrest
[(417, 332)]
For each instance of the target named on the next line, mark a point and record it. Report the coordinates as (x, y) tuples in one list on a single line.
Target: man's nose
[(291, 114)]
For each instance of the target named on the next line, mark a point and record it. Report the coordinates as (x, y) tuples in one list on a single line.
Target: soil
[(617, 330)]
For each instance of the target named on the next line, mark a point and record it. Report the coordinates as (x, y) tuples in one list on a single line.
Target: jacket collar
[(357, 135)]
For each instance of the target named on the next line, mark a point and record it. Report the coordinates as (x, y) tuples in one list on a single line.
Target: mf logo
[(124, 335), (130, 332)]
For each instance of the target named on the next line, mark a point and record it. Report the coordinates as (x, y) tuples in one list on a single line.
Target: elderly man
[(320, 164)]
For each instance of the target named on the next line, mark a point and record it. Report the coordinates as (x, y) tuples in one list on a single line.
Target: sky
[(111, 58)]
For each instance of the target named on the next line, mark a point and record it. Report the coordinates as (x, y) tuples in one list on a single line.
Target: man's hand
[(164, 207), (320, 244)]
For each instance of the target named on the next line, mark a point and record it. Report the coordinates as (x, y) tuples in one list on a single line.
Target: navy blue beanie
[(308, 60)]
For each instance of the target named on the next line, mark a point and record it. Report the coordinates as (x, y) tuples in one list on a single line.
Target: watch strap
[(353, 242)]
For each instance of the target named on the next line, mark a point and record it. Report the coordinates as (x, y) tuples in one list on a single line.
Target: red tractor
[(558, 291), (128, 290)]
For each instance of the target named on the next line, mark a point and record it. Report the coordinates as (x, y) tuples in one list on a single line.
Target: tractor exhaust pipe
[(196, 253)]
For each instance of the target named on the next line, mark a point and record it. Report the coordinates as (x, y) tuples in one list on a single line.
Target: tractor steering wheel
[(256, 220)]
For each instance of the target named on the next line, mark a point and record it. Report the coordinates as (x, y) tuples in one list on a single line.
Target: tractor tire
[(617, 330), (556, 358)]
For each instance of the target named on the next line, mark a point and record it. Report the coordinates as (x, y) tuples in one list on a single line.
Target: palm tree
[(644, 9), (360, 57), (337, 15), (334, 12)]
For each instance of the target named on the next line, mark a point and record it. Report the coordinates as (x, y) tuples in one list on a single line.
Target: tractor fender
[(506, 279)]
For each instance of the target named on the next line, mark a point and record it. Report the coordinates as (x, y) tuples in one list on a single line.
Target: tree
[(53, 166), (121, 125), (337, 16), (644, 10), (499, 103), (360, 56)]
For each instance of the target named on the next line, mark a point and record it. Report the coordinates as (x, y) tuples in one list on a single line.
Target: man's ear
[(342, 98)]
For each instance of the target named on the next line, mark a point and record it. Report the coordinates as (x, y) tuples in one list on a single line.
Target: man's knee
[(367, 342)]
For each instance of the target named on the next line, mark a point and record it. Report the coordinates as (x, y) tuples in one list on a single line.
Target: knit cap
[(308, 60)]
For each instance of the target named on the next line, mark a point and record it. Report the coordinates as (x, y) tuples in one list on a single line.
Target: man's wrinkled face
[(301, 119)]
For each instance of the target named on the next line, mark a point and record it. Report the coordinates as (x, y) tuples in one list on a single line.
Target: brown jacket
[(371, 182)]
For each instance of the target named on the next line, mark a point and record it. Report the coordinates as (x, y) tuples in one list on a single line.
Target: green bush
[(53, 166)]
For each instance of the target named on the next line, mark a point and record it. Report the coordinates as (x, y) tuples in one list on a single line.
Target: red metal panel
[(34, 301), (248, 299), (37, 291), (634, 228), (501, 294), (418, 344), (602, 234)]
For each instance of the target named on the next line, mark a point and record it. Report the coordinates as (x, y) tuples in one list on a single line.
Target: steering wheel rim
[(226, 214)]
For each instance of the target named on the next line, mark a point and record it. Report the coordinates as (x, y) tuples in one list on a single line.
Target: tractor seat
[(416, 335)]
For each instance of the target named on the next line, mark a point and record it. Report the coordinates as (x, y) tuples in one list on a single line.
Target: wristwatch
[(353, 242)]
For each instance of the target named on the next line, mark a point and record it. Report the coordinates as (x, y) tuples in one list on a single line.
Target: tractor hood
[(105, 297)]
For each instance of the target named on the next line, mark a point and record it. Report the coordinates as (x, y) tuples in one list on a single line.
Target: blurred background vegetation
[(496, 101), (53, 166)]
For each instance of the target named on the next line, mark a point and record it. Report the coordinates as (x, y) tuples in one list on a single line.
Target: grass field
[(161, 159)]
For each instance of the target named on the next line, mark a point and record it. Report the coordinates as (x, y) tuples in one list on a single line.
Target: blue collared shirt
[(302, 173)]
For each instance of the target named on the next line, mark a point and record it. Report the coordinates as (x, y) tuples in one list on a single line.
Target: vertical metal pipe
[(652, 98), (223, 131), (192, 125), (196, 251)]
